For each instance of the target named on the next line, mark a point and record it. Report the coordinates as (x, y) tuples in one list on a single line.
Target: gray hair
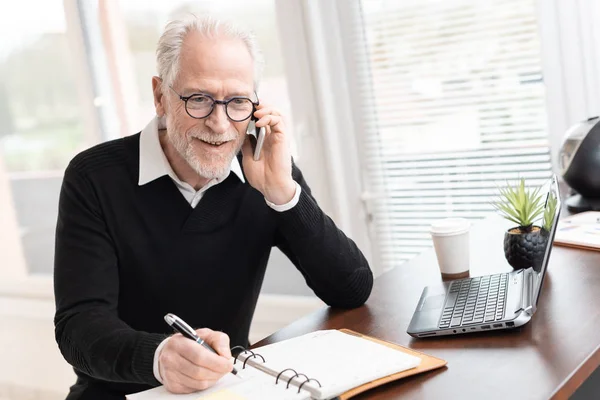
[(169, 46)]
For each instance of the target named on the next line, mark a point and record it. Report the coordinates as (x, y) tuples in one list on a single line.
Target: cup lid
[(450, 226)]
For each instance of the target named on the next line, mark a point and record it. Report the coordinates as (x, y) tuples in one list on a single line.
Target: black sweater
[(126, 255)]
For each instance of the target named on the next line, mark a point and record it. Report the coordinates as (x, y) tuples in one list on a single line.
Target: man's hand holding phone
[(271, 173)]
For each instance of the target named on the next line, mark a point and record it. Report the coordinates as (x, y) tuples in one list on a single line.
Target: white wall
[(32, 366)]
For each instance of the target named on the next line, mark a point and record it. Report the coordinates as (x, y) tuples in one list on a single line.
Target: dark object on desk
[(523, 250), (525, 244), (489, 302), (580, 162)]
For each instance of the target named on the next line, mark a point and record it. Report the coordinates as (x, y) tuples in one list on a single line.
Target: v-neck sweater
[(126, 255)]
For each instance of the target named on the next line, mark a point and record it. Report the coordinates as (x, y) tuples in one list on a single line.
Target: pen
[(180, 326)]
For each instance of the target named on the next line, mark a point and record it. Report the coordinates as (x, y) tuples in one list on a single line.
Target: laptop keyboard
[(475, 300)]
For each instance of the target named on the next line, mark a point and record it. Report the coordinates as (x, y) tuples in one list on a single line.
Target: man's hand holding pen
[(186, 367)]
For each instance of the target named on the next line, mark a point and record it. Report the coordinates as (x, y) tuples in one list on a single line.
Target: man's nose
[(218, 120)]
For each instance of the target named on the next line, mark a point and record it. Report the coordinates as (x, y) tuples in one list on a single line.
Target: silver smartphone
[(257, 137)]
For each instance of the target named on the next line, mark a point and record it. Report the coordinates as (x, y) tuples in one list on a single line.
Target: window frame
[(323, 39)]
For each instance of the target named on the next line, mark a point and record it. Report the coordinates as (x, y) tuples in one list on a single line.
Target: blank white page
[(339, 361), (249, 384)]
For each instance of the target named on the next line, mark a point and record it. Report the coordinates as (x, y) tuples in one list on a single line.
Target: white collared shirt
[(154, 165)]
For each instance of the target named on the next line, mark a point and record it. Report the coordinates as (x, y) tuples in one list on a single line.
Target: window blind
[(453, 104)]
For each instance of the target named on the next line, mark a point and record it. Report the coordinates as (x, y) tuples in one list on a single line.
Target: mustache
[(211, 137)]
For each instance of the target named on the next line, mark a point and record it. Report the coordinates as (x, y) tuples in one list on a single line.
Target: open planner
[(579, 230), (326, 364)]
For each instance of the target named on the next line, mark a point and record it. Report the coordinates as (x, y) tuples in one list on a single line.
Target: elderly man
[(174, 219)]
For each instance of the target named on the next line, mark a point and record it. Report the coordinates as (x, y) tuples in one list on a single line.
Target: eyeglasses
[(200, 106)]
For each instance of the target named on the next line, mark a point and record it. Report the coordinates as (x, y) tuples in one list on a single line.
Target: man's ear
[(159, 99)]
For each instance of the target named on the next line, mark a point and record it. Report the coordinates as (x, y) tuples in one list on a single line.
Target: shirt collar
[(154, 163)]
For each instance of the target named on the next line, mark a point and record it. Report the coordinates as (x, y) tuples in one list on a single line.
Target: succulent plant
[(549, 212), (520, 205)]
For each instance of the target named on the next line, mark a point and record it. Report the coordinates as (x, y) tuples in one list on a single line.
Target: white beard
[(218, 166)]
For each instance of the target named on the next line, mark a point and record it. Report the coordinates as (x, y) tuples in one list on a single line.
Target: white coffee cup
[(451, 242)]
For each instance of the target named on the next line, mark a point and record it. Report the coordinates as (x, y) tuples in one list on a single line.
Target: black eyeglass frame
[(215, 102)]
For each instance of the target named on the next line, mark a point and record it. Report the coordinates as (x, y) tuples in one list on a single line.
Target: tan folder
[(428, 363)]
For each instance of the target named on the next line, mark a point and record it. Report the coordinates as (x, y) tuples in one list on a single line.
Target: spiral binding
[(255, 355), (244, 350), (296, 374)]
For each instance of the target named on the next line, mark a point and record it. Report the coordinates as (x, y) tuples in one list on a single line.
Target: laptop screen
[(549, 222)]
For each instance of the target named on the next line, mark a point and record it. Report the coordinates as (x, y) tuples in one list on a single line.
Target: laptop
[(485, 303)]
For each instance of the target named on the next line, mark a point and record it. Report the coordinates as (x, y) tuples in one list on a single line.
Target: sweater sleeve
[(333, 266), (88, 330)]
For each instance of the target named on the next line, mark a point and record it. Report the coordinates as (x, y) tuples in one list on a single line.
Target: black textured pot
[(524, 250)]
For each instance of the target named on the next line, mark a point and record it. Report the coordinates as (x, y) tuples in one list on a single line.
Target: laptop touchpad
[(433, 302)]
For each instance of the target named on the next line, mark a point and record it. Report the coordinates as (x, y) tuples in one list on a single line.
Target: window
[(458, 107), (41, 118), (41, 129)]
